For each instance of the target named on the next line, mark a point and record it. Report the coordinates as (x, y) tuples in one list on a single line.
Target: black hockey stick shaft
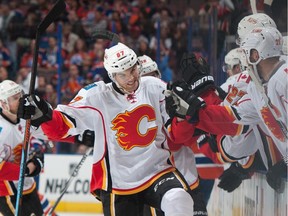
[(74, 174), (53, 14)]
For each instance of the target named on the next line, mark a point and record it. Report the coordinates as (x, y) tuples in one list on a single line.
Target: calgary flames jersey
[(11, 142), (128, 153), (252, 110), (239, 147)]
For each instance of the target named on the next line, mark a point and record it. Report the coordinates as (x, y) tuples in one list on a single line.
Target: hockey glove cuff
[(87, 138), (34, 108), (37, 158)]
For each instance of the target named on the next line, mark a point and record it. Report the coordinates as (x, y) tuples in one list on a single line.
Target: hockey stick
[(253, 6), (57, 9), (105, 34), (74, 174)]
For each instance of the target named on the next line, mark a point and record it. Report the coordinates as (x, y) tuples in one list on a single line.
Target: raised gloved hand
[(186, 101), (87, 138), (233, 177), (37, 158), (196, 73), (275, 176), (34, 108)]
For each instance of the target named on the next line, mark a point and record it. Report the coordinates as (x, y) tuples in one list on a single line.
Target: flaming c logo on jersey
[(271, 122), (127, 126)]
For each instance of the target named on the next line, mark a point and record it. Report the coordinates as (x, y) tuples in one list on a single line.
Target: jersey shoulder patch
[(244, 77), (92, 85)]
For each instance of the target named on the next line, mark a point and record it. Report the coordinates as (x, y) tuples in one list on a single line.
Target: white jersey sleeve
[(238, 147)]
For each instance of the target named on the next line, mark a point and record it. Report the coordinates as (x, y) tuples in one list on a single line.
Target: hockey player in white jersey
[(183, 156), (250, 22), (11, 142), (262, 48), (233, 148), (234, 63), (130, 167)]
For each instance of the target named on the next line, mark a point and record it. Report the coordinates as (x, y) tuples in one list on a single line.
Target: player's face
[(236, 69), (13, 102), (254, 55), (129, 79)]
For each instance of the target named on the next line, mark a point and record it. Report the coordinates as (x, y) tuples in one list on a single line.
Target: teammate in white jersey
[(253, 21), (233, 148), (266, 99), (11, 143), (130, 167), (235, 63)]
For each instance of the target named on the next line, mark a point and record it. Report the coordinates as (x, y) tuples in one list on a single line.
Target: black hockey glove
[(232, 177), (199, 202), (275, 176), (37, 158), (34, 108), (196, 73), (188, 104), (87, 138)]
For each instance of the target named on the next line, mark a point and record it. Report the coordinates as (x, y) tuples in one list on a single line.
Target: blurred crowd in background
[(148, 27)]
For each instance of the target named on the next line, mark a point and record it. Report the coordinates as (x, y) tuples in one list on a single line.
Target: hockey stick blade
[(253, 6), (57, 9), (105, 34)]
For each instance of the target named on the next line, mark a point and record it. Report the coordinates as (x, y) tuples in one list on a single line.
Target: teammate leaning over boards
[(238, 148), (262, 48), (128, 116), (11, 141), (183, 156), (234, 148)]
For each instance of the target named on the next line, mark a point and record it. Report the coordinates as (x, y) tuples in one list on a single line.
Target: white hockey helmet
[(248, 23), (8, 88), (234, 57), (267, 41), (148, 66), (285, 45), (118, 58)]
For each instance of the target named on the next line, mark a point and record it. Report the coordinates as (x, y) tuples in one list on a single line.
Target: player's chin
[(131, 87)]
